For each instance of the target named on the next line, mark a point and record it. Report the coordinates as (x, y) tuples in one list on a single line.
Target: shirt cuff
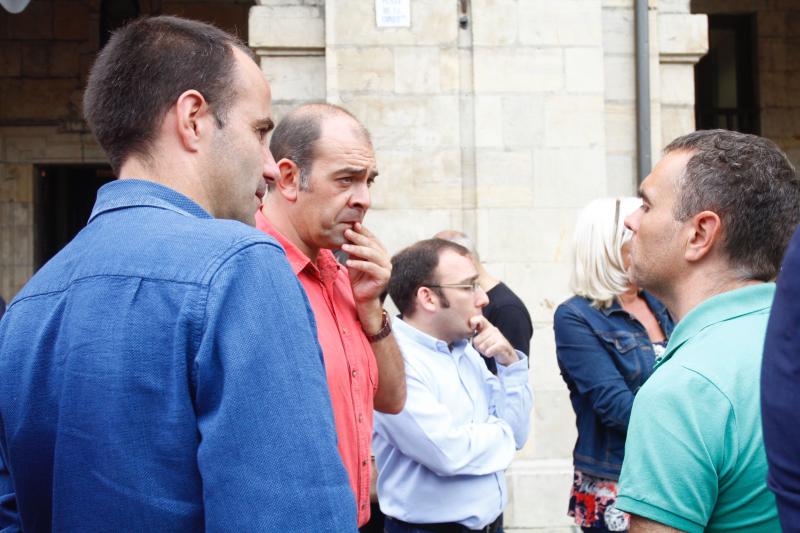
[(518, 367), (657, 514)]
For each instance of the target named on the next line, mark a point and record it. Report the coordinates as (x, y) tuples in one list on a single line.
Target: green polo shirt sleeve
[(680, 440)]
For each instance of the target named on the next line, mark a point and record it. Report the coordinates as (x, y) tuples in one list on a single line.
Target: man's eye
[(370, 181)]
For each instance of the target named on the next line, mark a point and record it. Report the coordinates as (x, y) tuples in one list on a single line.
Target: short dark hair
[(297, 134), (142, 71), (414, 267), (750, 183)]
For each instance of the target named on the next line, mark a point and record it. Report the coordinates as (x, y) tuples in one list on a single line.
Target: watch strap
[(386, 329)]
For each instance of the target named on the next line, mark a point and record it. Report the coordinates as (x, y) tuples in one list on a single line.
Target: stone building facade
[(504, 129), (498, 117)]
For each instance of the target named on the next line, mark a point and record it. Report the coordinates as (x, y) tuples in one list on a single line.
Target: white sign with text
[(393, 13)]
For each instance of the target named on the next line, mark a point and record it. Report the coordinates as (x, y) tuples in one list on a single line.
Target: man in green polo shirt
[(718, 212)]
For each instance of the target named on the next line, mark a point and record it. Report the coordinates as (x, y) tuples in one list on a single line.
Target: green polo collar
[(719, 308)]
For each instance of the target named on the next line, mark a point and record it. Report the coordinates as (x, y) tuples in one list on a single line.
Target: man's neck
[(279, 218), (169, 175), (699, 287), (426, 326)]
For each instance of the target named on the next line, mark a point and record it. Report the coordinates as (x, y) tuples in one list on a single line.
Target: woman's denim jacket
[(605, 356)]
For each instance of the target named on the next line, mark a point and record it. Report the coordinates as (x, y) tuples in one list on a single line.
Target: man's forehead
[(454, 264), (343, 140), (666, 174), (251, 79), (338, 127)]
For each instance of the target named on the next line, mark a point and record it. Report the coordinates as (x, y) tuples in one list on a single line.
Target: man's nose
[(481, 298), (632, 220), (270, 171), (361, 196)]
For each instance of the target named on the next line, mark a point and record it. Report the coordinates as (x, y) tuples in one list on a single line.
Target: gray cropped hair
[(751, 185)]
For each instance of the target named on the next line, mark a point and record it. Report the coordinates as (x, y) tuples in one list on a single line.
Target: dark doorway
[(114, 14), (64, 197), (725, 80)]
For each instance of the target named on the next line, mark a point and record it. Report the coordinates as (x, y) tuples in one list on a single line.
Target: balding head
[(296, 136), (460, 238)]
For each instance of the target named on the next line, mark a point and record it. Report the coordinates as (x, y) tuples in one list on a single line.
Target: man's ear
[(193, 119), (705, 231), (426, 299), (288, 182)]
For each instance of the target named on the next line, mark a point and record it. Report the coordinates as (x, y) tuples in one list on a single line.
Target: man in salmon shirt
[(317, 204)]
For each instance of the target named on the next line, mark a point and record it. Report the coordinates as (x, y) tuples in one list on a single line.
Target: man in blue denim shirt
[(161, 373)]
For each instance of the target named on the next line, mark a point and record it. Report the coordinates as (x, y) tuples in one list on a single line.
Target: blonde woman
[(608, 336)]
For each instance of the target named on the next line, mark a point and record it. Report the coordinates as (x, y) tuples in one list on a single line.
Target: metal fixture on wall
[(463, 18), (643, 122)]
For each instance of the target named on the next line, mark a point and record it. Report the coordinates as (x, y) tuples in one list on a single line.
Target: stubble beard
[(229, 170), (645, 276)]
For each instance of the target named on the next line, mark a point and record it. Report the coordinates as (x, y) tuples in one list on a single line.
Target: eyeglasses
[(472, 286)]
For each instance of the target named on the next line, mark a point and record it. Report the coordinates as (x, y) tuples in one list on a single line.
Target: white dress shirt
[(443, 457)]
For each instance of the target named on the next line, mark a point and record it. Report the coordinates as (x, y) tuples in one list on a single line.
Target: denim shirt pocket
[(624, 347)]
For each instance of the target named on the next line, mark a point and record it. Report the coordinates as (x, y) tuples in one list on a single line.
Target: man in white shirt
[(442, 459)]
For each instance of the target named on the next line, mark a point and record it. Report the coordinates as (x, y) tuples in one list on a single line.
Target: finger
[(496, 346), (367, 253), (357, 237), (369, 268), (483, 335), (483, 341), (361, 231)]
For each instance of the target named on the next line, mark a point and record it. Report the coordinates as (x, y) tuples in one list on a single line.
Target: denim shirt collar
[(719, 308), (123, 193), (655, 305)]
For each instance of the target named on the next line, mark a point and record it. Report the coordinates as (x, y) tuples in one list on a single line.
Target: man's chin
[(336, 239)]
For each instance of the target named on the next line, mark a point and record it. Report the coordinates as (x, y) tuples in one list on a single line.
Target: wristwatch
[(386, 328)]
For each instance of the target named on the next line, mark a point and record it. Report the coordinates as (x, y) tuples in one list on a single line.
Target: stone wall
[(682, 40), (778, 40)]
